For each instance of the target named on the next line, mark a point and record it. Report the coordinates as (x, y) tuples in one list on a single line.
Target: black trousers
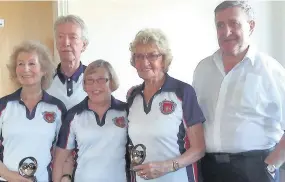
[(242, 167)]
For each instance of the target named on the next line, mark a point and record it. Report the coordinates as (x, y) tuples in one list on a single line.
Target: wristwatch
[(68, 176), (175, 165), (271, 169)]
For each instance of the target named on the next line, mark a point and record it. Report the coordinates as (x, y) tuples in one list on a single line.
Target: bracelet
[(67, 175)]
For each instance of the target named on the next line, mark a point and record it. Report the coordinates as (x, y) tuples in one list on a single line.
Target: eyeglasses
[(99, 81), (148, 56)]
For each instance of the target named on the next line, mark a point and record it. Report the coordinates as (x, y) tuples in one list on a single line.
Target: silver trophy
[(137, 154), (28, 167)]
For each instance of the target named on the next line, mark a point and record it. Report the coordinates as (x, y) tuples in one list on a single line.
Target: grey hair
[(73, 19), (153, 36), (100, 63), (244, 5)]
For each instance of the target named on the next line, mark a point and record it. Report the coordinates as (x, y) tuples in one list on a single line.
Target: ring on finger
[(145, 177), (142, 173)]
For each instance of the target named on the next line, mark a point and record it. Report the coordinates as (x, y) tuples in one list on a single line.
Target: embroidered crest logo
[(49, 116), (167, 107), (120, 122)]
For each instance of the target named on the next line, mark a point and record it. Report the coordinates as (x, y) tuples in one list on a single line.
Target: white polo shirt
[(160, 125), (68, 90), (28, 134), (101, 144), (244, 108)]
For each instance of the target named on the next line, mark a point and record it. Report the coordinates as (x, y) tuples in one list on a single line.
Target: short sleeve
[(192, 113), (194, 79), (3, 104), (58, 126), (66, 136), (62, 113), (279, 77)]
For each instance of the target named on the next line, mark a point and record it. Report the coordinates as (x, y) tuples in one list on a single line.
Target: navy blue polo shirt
[(100, 144), (68, 89), (161, 125), (26, 133)]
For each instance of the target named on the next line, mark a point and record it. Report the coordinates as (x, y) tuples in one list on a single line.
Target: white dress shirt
[(244, 108)]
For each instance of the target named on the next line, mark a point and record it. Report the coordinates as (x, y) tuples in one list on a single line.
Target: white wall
[(278, 30), (189, 25)]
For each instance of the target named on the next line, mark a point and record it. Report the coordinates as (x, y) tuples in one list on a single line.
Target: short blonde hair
[(153, 36), (44, 57), (106, 65)]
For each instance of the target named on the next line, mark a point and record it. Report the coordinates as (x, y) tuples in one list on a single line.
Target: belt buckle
[(222, 158)]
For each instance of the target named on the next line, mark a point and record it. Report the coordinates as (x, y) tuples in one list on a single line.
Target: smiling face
[(97, 85), (233, 30), (148, 61), (28, 69)]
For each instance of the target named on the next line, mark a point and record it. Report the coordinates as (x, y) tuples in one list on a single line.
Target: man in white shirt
[(71, 38), (71, 41), (242, 95)]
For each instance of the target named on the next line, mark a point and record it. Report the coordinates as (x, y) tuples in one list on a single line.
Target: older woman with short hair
[(164, 114), (97, 128), (29, 118)]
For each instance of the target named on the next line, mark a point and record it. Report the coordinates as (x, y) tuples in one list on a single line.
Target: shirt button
[(69, 89), (68, 79)]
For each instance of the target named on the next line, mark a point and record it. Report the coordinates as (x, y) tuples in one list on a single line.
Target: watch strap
[(175, 165), (67, 175)]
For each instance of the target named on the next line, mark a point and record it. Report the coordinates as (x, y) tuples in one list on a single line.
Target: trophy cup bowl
[(138, 154), (28, 167)]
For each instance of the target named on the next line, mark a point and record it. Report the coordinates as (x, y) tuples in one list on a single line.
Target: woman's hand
[(153, 169), (68, 168), (60, 164), (13, 176), (69, 165)]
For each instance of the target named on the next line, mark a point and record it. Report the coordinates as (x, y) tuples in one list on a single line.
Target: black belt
[(226, 157)]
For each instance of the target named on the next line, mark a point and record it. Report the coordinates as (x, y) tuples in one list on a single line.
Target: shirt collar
[(17, 96), (169, 85), (115, 104), (74, 77), (250, 55)]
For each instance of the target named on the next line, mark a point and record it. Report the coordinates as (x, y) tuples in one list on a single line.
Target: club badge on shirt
[(167, 107), (49, 116), (120, 121)]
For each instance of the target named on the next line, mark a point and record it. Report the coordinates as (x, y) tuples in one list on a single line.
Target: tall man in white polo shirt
[(242, 95), (71, 40)]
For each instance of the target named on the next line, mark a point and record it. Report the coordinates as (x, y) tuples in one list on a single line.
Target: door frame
[(60, 8)]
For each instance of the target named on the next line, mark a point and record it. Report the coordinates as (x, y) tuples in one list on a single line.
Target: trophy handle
[(34, 161), (143, 148), (32, 158)]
